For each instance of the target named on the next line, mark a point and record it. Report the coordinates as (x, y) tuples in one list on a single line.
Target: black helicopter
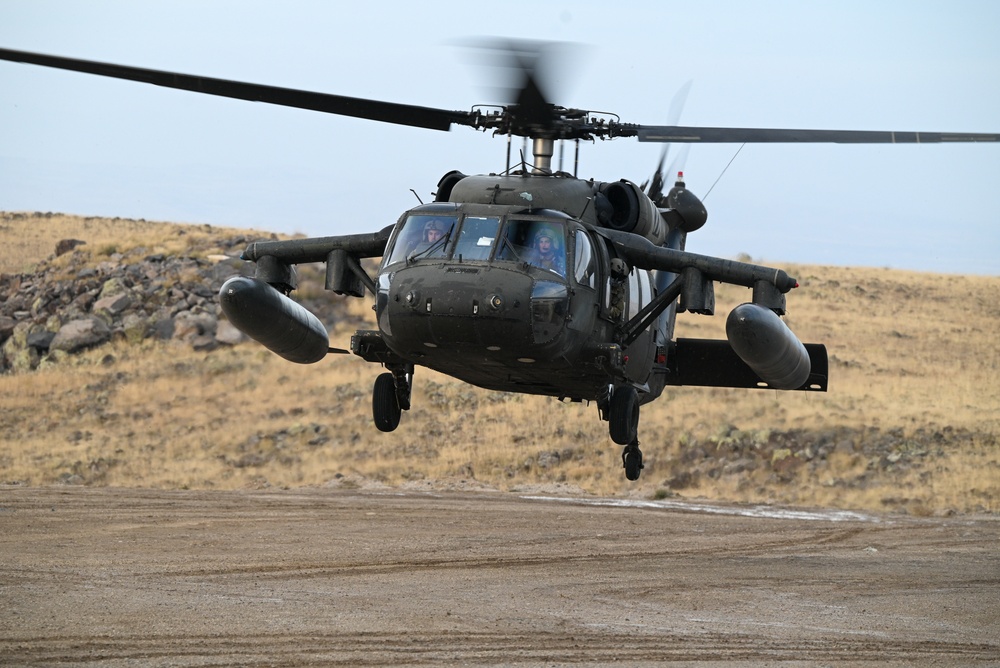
[(530, 280)]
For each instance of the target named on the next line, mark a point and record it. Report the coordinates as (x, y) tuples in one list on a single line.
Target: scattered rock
[(162, 329), (203, 342), (113, 305), (227, 334), (80, 334), (41, 340), (189, 325), (66, 307), (66, 245), (135, 327), (6, 327), (113, 287)]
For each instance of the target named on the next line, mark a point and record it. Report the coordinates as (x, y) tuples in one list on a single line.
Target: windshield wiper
[(440, 243), (505, 241)]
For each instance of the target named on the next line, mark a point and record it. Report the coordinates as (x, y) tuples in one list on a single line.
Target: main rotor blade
[(375, 110), (670, 133), (538, 124)]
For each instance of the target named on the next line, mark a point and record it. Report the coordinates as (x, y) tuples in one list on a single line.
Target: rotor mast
[(542, 149)]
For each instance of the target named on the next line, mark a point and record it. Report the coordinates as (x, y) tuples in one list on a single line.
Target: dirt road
[(325, 577)]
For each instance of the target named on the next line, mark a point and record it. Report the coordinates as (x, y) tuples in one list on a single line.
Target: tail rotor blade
[(660, 177)]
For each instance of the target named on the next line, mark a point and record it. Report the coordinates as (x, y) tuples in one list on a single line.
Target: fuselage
[(510, 298)]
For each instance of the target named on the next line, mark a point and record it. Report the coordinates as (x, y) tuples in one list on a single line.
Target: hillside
[(166, 395)]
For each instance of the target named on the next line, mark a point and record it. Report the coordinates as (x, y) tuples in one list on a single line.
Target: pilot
[(546, 254), (430, 242), (434, 230)]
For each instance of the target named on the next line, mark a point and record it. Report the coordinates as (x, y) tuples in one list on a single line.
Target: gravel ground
[(123, 577)]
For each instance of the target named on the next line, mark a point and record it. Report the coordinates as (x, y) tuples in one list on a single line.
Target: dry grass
[(914, 356), (30, 238)]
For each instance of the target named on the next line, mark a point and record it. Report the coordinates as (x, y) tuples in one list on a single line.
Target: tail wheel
[(623, 415), (385, 404)]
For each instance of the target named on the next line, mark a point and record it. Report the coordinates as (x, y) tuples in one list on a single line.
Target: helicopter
[(532, 279)]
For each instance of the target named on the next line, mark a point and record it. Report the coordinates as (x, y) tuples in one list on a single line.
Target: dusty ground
[(346, 577)]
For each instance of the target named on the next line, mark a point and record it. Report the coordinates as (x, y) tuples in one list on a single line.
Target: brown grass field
[(910, 424)]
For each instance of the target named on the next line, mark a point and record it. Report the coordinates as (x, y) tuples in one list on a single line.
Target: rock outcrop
[(74, 303)]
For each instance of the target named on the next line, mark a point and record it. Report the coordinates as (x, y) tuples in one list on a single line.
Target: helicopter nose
[(441, 308)]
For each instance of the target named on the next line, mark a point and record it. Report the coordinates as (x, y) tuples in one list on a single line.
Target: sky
[(87, 145)]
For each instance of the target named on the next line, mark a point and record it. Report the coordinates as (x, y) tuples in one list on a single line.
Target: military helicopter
[(531, 279)]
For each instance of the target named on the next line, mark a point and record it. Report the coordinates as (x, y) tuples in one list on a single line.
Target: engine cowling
[(632, 211)]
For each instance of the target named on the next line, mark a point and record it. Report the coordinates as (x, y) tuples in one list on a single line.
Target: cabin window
[(634, 294), (539, 243), (423, 236), (647, 287), (640, 291)]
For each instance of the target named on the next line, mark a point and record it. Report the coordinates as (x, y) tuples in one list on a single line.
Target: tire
[(633, 465), (624, 415), (385, 405)]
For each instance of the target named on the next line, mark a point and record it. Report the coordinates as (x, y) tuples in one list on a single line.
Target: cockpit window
[(538, 243), (475, 240), (423, 236), (585, 263)]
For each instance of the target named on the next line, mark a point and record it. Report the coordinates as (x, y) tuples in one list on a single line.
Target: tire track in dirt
[(372, 649), (320, 577)]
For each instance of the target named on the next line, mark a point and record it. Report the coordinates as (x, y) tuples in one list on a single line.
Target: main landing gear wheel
[(623, 415), (386, 410), (632, 460)]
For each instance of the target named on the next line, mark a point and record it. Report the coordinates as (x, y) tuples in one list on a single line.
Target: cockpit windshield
[(535, 242), (475, 240), (423, 236), (538, 243)]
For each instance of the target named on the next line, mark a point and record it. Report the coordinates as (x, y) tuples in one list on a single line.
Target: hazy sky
[(82, 144)]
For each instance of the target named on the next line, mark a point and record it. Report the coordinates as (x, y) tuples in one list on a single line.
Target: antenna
[(724, 171)]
